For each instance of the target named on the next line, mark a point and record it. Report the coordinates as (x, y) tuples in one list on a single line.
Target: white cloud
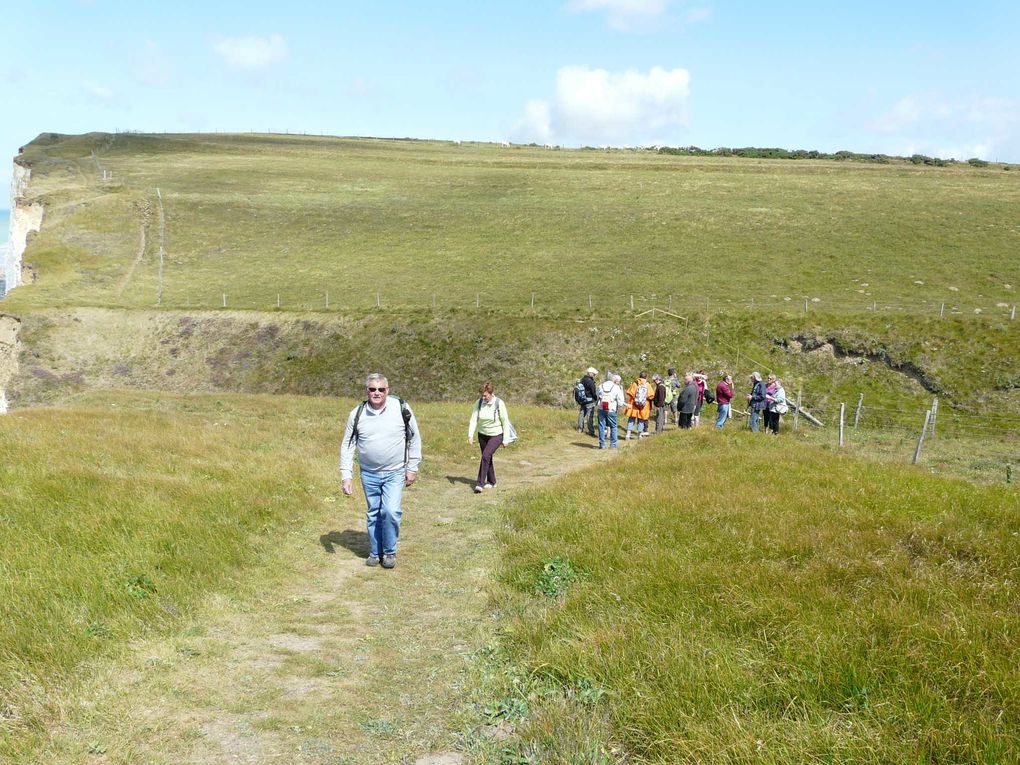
[(595, 106), (951, 129), (251, 53), (535, 125), (98, 91), (623, 15)]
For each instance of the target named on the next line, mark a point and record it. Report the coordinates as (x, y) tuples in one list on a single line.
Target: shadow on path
[(349, 539)]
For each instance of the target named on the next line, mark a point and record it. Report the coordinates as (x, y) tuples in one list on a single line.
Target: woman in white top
[(778, 406), (490, 418)]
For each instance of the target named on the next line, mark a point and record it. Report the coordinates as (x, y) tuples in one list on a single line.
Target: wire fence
[(682, 307)]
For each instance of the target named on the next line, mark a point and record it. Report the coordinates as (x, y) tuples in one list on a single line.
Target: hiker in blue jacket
[(757, 400)]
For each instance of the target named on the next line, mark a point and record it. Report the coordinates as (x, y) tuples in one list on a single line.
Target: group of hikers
[(675, 400), (387, 444)]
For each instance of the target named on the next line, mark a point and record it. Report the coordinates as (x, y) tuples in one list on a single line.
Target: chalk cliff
[(9, 349), (26, 216)]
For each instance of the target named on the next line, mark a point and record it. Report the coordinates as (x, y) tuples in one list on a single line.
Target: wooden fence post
[(842, 412), (589, 302), (532, 299), (857, 414), (934, 414), (942, 310), (796, 412), (327, 300), (224, 299), (920, 439), (632, 302)]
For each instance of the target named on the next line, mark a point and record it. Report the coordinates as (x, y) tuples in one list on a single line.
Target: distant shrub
[(975, 162)]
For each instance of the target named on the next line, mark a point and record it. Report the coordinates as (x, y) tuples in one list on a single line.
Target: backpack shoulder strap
[(357, 416)]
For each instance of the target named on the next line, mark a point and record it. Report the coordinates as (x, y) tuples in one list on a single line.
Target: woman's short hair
[(486, 387)]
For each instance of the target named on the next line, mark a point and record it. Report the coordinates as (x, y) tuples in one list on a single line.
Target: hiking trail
[(334, 663)]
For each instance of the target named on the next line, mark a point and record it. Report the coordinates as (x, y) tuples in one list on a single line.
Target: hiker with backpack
[(586, 396), (384, 436), (610, 400), (673, 387), (639, 407), (659, 399), (490, 418)]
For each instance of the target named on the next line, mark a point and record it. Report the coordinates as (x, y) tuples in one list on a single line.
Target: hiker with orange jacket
[(639, 407)]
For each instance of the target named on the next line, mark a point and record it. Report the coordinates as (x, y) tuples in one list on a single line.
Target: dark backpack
[(405, 413), (580, 393)]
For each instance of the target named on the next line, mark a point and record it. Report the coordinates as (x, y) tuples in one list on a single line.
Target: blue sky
[(933, 77)]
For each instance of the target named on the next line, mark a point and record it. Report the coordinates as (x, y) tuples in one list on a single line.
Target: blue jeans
[(382, 494), (755, 420), (607, 418), (724, 413)]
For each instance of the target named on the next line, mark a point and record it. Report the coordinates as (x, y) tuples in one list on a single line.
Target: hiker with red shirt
[(723, 396)]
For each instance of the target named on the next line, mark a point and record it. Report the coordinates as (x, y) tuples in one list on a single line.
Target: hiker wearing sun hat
[(586, 402)]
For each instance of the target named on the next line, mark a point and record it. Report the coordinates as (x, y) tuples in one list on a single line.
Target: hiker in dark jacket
[(688, 401), (660, 403), (587, 409), (758, 400)]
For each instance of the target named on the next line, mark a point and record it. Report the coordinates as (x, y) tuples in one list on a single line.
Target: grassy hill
[(550, 256), (255, 217)]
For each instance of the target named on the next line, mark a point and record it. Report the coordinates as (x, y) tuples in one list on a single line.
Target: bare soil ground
[(334, 662)]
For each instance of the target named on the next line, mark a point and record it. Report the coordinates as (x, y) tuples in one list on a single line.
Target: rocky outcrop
[(10, 326), (26, 217)]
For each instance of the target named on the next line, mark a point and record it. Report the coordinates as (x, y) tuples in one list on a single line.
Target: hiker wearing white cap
[(586, 402)]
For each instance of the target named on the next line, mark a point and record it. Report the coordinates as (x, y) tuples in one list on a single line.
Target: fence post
[(934, 414), (532, 299), (378, 300), (857, 414), (632, 302), (277, 299), (327, 300), (478, 300), (224, 299), (433, 299), (805, 305), (670, 303), (796, 412), (589, 302), (842, 411), (920, 439), (942, 310), (1012, 314)]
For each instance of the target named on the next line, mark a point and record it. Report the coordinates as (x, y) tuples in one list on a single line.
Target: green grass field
[(266, 218), (704, 597), (727, 598)]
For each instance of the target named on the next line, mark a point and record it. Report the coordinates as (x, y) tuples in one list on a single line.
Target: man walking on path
[(385, 436)]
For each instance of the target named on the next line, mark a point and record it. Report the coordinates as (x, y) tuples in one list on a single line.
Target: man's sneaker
[(389, 561), (478, 490), (372, 560), (489, 486)]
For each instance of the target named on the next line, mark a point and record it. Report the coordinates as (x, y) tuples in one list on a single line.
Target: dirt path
[(336, 662)]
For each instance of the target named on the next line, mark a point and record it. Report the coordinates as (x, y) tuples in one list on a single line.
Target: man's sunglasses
[(376, 390)]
